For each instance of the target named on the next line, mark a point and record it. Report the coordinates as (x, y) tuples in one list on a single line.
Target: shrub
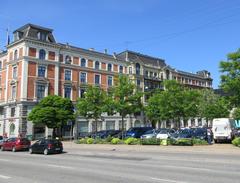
[(199, 142), (90, 141), (109, 139), (150, 141), (183, 142), (115, 141), (82, 141), (99, 141), (236, 141), (131, 141)]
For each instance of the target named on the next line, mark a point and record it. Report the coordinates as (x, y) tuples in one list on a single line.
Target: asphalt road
[(116, 165)]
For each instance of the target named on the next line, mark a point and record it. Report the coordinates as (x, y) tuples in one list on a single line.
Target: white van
[(222, 129)]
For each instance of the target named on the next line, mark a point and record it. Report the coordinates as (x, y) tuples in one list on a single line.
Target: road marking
[(167, 180), (4, 177), (191, 168), (4, 160), (60, 166)]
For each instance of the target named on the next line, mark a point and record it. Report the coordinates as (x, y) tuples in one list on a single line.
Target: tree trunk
[(96, 121), (122, 127)]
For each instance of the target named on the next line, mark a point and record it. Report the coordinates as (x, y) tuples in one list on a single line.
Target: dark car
[(183, 134), (1, 141), (16, 144), (120, 135), (199, 133), (105, 133), (137, 132), (46, 146)]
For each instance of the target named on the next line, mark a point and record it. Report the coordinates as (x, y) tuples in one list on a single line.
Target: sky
[(190, 35)]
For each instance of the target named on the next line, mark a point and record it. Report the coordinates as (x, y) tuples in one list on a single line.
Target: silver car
[(150, 134)]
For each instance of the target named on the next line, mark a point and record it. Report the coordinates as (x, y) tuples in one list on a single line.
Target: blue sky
[(189, 35)]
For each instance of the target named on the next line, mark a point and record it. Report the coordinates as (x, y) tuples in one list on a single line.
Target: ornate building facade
[(35, 65)]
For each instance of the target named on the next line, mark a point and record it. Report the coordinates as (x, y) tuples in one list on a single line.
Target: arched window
[(68, 59), (109, 67), (12, 129), (83, 62), (15, 55), (42, 54), (137, 68), (97, 65), (120, 69)]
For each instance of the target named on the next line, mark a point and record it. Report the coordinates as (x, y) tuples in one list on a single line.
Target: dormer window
[(42, 54), (68, 59), (42, 36)]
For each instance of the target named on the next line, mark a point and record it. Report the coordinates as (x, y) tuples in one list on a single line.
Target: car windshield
[(164, 131), (1, 138), (149, 132)]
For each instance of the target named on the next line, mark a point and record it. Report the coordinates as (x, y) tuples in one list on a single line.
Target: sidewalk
[(209, 149)]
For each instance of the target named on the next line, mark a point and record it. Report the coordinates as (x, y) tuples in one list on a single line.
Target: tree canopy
[(52, 111)]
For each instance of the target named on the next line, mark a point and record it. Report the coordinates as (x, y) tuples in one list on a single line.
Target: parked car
[(46, 146), (165, 133), (223, 129), (105, 133), (199, 133), (137, 132), (16, 144), (120, 135), (150, 134), (1, 141), (183, 134)]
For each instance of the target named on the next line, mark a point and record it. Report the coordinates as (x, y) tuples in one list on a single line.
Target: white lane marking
[(4, 177), (60, 166), (191, 168), (4, 160), (166, 180)]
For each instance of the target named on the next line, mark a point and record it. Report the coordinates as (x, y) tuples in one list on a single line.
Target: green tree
[(230, 78), (236, 114), (212, 106), (127, 98), (52, 111), (93, 105)]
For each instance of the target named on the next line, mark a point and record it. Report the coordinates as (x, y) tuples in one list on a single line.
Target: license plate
[(57, 149)]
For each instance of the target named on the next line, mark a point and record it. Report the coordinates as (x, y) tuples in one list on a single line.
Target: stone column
[(128, 125), (196, 121), (189, 123), (48, 132), (116, 125), (90, 123), (104, 125)]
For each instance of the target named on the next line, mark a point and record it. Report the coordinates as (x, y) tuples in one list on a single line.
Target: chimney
[(91, 49), (105, 51), (114, 55)]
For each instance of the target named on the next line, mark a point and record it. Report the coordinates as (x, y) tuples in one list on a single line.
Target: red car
[(16, 144)]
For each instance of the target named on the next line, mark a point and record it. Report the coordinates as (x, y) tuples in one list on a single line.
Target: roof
[(138, 57), (191, 74), (33, 26), (92, 52)]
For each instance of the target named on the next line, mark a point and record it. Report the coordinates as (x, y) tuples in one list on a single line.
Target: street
[(123, 164)]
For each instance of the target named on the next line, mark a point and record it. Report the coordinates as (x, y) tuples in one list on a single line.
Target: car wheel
[(14, 149), (30, 151), (45, 152)]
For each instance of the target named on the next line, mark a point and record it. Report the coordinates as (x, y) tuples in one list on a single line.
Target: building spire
[(8, 37)]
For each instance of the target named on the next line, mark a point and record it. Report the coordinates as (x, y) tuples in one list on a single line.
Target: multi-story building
[(35, 65)]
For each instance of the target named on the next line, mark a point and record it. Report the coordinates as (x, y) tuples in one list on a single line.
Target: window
[(97, 79), (67, 92), (109, 67), (146, 73), (83, 62), (15, 55), (110, 125), (42, 36), (13, 92), (12, 129), (41, 71), (97, 65), (68, 59), (120, 69), (12, 111), (137, 68), (68, 74), (130, 70), (42, 54), (138, 82), (14, 72), (83, 77), (0, 64), (110, 80), (40, 91), (82, 92)]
